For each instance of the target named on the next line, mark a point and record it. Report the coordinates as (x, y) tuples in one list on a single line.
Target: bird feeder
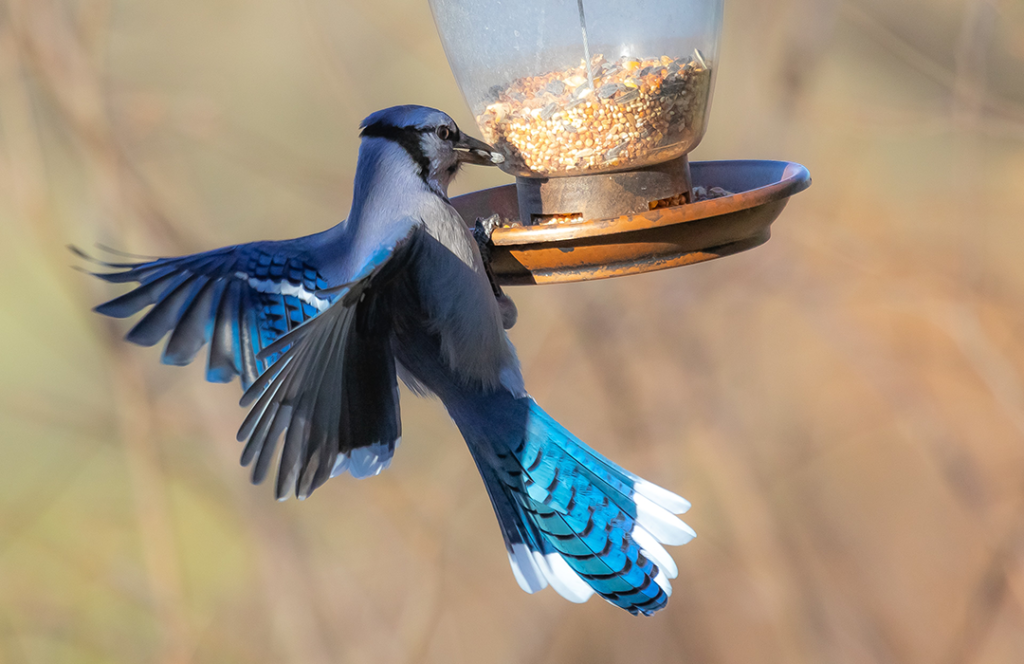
[(595, 105)]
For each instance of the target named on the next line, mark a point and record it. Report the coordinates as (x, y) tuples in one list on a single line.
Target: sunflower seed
[(555, 87), (628, 97)]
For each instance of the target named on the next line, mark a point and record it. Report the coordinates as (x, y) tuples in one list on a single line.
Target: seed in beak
[(493, 157)]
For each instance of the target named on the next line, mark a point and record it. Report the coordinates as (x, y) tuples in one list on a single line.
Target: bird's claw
[(484, 228)]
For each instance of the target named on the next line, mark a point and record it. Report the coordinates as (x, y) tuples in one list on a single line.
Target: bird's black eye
[(443, 133)]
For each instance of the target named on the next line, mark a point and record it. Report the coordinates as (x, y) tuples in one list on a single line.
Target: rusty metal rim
[(631, 267), (795, 179)]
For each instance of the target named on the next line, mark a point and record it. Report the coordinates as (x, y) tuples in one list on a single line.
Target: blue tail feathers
[(570, 517)]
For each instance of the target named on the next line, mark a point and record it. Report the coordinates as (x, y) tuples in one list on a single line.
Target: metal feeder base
[(602, 247), (602, 195)]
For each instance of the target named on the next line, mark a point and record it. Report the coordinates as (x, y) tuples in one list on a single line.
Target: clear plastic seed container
[(570, 87)]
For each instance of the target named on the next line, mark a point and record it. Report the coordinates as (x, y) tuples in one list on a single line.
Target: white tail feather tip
[(661, 523), (662, 581), (529, 577), (663, 497), (654, 551), (562, 578)]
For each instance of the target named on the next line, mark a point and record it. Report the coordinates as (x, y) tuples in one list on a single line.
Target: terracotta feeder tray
[(644, 242)]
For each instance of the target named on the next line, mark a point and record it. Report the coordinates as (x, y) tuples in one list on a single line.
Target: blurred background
[(844, 406)]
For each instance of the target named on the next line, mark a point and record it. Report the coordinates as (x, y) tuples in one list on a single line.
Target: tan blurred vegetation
[(844, 406)]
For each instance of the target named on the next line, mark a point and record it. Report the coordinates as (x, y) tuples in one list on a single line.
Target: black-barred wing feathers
[(239, 300)]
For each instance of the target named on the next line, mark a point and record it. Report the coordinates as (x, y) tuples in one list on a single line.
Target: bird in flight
[(320, 328)]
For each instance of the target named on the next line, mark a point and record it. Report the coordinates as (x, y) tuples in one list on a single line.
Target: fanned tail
[(570, 517)]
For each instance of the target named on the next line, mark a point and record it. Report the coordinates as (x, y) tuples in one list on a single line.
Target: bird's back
[(454, 299)]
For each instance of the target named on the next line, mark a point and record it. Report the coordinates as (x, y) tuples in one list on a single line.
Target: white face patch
[(429, 145), (443, 160)]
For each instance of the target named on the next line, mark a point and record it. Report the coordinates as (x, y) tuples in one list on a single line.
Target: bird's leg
[(482, 234)]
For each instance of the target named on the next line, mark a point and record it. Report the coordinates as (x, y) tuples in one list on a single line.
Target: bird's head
[(433, 141)]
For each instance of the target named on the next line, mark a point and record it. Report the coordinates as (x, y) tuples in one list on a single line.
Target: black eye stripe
[(390, 131), (409, 139)]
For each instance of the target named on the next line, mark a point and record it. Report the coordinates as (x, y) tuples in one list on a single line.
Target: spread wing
[(239, 300), (315, 358), (332, 392)]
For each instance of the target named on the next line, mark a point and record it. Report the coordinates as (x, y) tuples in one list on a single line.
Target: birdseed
[(699, 194), (642, 111)]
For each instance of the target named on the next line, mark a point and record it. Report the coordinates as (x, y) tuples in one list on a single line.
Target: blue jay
[(320, 328)]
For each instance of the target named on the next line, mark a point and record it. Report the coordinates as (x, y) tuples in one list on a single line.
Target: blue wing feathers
[(238, 300), (330, 388)]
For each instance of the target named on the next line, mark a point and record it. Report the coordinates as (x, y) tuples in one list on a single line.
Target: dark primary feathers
[(333, 392)]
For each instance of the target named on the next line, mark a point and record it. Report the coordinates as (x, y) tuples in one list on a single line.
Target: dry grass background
[(844, 406)]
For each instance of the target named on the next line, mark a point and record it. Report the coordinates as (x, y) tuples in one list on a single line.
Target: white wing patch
[(285, 287)]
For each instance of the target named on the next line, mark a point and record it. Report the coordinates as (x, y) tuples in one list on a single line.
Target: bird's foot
[(482, 231)]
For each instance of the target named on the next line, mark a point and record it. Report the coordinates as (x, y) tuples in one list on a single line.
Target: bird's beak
[(473, 151)]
